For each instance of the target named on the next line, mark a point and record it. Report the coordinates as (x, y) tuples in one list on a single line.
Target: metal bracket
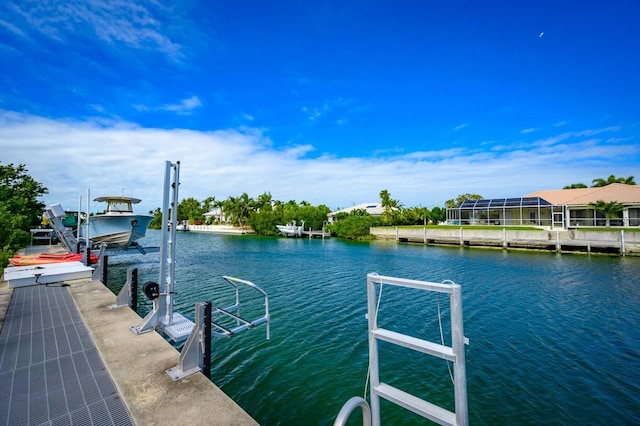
[(192, 354), (124, 296)]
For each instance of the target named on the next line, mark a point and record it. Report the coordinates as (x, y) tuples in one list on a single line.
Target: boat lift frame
[(196, 353), (162, 313)]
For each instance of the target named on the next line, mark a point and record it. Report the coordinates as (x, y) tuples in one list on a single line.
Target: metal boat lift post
[(162, 313)]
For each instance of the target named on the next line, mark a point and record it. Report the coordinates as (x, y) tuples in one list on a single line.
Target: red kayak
[(43, 258)]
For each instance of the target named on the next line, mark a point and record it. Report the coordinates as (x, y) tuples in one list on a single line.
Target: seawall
[(614, 241)]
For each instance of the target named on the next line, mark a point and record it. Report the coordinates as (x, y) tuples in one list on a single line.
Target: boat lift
[(196, 353), (454, 353), (74, 244)]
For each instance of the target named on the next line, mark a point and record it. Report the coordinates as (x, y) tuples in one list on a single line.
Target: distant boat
[(118, 227), (291, 229)]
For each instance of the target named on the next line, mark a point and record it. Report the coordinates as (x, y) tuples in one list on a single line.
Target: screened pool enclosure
[(524, 211)]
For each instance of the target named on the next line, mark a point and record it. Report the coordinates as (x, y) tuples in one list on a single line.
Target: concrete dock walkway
[(114, 376)]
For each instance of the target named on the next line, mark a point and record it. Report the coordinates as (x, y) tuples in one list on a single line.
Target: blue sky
[(326, 101)]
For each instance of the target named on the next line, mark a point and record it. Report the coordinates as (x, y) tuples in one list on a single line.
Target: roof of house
[(619, 192), (374, 209)]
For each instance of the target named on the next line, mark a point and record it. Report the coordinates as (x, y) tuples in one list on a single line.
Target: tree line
[(263, 213)]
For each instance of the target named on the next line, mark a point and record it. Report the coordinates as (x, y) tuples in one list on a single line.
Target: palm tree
[(264, 200), (599, 182), (611, 209), (453, 203), (208, 204), (627, 181), (390, 206), (575, 185)]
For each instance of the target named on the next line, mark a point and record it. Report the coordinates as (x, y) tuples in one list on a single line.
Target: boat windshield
[(119, 206)]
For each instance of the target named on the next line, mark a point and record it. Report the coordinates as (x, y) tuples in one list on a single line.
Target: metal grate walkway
[(50, 370)]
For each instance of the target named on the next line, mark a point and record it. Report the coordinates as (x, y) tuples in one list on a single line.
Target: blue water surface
[(554, 338)]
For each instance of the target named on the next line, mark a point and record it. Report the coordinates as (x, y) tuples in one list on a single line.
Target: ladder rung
[(415, 404), (424, 346), (222, 311), (221, 328)]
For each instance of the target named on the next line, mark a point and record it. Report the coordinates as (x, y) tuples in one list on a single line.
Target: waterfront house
[(215, 215), (552, 209), (374, 209)]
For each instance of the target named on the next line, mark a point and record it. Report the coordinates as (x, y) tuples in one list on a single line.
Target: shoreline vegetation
[(21, 211)]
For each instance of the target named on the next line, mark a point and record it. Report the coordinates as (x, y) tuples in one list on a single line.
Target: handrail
[(226, 332), (347, 409)]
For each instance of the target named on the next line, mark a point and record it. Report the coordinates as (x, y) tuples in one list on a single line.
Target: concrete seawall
[(137, 366), (607, 241)]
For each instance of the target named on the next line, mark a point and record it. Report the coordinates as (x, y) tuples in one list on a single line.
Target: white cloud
[(529, 130), (460, 126), (69, 156)]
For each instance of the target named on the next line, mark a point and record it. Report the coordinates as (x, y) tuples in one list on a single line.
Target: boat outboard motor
[(151, 290)]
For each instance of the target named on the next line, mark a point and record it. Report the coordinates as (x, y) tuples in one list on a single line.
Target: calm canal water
[(554, 339)]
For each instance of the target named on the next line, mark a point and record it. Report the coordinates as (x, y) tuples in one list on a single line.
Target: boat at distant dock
[(291, 229), (119, 226)]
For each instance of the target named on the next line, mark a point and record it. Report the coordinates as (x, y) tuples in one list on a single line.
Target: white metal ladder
[(454, 353)]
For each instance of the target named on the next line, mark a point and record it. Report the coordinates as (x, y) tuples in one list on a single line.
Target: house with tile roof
[(552, 209)]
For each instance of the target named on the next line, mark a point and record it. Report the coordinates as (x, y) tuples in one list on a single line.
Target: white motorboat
[(291, 229), (118, 226)]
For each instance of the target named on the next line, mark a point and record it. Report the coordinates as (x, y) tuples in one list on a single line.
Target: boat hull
[(117, 230), (290, 231)]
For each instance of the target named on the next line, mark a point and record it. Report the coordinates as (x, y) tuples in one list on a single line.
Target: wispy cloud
[(342, 107), (133, 24), (184, 107), (460, 126), (315, 113), (529, 130), (109, 156), (12, 28)]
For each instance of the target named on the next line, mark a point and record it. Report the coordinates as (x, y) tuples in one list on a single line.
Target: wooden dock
[(316, 234)]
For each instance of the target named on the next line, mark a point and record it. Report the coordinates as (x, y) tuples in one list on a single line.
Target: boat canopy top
[(118, 204), (117, 199)]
